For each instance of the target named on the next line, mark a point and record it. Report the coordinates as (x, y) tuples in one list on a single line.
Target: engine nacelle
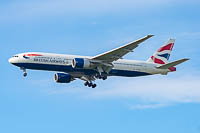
[(81, 63), (62, 78)]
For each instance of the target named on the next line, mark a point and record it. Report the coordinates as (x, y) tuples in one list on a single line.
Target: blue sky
[(145, 104)]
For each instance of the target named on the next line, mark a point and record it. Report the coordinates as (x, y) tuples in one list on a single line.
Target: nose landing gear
[(90, 84), (24, 72)]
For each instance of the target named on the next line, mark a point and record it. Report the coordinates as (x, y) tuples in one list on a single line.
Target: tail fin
[(161, 56)]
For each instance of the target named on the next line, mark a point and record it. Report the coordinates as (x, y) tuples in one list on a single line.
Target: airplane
[(90, 68)]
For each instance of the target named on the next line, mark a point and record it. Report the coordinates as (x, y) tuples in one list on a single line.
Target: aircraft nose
[(11, 60)]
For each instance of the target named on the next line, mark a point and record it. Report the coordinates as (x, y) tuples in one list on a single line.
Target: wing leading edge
[(119, 52)]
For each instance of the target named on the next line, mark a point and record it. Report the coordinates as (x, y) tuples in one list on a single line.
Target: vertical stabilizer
[(161, 56)]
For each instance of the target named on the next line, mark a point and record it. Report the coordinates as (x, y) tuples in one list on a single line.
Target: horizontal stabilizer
[(171, 64)]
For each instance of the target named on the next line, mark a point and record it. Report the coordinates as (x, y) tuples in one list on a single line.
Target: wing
[(82, 76), (119, 52), (87, 78)]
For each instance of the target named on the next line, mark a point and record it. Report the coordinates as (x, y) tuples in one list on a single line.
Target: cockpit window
[(15, 56)]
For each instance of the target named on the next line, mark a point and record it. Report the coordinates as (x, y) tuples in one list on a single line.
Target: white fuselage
[(63, 63)]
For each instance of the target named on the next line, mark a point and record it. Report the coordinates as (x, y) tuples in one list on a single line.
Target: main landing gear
[(101, 77), (90, 84), (24, 72)]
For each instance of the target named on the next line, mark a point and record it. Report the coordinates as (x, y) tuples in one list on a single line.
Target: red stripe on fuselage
[(33, 55), (167, 47)]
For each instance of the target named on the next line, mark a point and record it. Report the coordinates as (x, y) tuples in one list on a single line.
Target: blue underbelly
[(127, 73), (68, 69)]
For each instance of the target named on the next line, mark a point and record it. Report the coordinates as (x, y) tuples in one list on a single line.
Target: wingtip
[(185, 59), (150, 35)]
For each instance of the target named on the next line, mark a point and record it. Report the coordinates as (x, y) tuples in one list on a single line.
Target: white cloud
[(189, 35), (159, 90), (35, 9), (146, 106), (153, 89)]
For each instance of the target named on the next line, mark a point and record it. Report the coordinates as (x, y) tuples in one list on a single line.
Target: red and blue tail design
[(161, 56)]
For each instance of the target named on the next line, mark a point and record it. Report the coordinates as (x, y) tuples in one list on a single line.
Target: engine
[(62, 78), (81, 63)]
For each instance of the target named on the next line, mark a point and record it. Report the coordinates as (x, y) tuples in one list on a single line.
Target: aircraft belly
[(68, 69), (127, 73), (52, 67)]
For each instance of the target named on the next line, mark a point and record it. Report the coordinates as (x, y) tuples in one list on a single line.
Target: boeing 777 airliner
[(88, 69)]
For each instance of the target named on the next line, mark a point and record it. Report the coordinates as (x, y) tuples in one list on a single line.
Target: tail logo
[(167, 47), (166, 56), (162, 54), (156, 60)]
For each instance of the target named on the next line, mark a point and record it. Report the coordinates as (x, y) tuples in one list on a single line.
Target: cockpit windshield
[(15, 56)]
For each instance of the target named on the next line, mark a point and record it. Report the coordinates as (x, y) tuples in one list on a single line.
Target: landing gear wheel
[(86, 83), (94, 85), (90, 84), (104, 78), (25, 74), (24, 70)]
